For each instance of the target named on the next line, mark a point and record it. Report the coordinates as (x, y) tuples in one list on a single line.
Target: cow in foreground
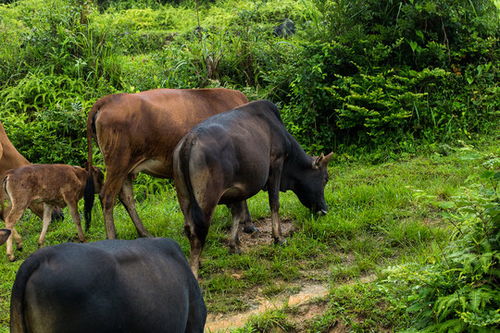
[(138, 133), (230, 157), (142, 285), (10, 158), (53, 185)]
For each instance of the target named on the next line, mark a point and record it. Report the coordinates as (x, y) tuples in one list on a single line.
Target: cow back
[(144, 285), (132, 129)]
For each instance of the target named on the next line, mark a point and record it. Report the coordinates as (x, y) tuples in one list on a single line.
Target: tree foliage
[(362, 74)]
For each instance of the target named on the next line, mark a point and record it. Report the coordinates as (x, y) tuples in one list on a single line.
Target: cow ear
[(4, 234), (327, 159), (317, 161), (322, 160)]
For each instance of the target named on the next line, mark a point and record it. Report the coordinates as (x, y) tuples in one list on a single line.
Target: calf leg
[(127, 199), (15, 214), (73, 210), (47, 215), (17, 238)]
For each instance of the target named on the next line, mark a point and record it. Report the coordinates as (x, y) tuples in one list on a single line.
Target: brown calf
[(53, 185)]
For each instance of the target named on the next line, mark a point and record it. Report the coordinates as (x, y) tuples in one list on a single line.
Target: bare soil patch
[(265, 235), (308, 292)]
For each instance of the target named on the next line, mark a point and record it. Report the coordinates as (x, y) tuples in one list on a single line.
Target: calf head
[(4, 234), (310, 184)]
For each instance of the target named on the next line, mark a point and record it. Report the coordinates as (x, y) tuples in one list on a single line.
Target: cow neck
[(296, 163)]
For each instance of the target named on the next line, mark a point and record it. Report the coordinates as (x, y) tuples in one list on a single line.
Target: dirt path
[(224, 323), (308, 290), (303, 300)]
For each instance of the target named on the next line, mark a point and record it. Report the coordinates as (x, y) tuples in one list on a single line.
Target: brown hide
[(10, 158), (138, 132), (53, 185)]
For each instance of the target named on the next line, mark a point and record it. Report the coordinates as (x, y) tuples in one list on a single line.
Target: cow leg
[(273, 187), (47, 215), (15, 214), (248, 227), (127, 199), (109, 191), (239, 211), (196, 239)]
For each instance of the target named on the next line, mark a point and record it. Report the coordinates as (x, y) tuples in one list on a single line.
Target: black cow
[(142, 285), (230, 157)]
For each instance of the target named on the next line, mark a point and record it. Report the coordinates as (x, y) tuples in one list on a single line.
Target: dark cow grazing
[(138, 132), (142, 285), (230, 157), (10, 158), (285, 29), (53, 185)]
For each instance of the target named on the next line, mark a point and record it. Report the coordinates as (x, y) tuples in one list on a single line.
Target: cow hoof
[(11, 258), (234, 250), (280, 241), (146, 235), (20, 247), (250, 229)]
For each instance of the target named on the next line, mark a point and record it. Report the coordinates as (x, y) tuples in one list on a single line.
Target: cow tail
[(91, 130), (195, 211), (88, 198), (17, 315)]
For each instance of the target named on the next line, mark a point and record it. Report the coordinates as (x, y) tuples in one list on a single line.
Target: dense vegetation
[(356, 75), (372, 80)]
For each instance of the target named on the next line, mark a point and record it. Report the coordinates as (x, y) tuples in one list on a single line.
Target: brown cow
[(53, 185), (138, 132), (10, 158)]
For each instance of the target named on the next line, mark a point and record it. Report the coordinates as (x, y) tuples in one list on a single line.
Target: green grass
[(380, 215)]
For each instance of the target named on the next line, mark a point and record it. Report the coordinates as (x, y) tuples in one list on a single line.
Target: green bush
[(356, 76), (458, 290)]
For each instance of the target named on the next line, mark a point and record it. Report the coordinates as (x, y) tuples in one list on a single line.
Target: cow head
[(310, 184), (4, 234)]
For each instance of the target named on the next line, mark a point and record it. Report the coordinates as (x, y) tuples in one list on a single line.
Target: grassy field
[(380, 215)]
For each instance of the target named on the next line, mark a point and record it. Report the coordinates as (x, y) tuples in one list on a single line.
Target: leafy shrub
[(458, 291)]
